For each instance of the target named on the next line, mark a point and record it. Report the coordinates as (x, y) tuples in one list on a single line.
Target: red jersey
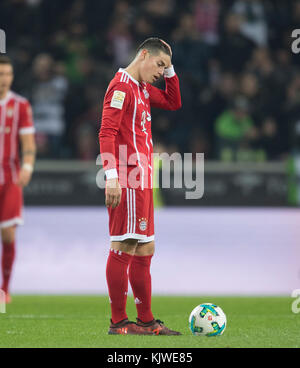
[(15, 119), (125, 131)]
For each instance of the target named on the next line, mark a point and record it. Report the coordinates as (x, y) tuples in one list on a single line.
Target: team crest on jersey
[(143, 224), (9, 112), (146, 93)]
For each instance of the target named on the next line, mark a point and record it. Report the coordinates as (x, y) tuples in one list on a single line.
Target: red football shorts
[(134, 217), (11, 205)]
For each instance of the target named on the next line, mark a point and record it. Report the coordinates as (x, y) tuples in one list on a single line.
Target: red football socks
[(140, 280), (117, 281), (8, 256)]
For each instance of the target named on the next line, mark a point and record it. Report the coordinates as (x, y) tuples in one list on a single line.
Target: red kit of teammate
[(15, 120), (15, 126)]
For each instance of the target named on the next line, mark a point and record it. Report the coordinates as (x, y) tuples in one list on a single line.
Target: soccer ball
[(207, 320)]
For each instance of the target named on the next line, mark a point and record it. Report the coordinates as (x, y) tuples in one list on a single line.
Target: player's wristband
[(111, 174), (27, 167), (169, 72)]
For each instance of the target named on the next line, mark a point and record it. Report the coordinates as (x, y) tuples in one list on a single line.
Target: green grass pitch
[(82, 321)]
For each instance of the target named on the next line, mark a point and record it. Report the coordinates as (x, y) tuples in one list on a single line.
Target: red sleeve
[(170, 98), (116, 102), (25, 118)]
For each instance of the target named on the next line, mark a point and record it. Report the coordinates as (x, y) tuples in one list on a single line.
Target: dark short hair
[(154, 45), (5, 60)]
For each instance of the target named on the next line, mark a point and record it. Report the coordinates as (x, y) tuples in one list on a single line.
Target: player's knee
[(8, 235)]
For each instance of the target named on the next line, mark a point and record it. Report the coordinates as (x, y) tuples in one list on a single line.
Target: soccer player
[(126, 147), (15, 126)]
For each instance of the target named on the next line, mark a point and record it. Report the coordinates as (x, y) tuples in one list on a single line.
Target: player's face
[(153, 66), (6, 78)]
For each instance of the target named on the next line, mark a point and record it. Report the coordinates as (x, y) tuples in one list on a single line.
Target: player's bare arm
[(28, 155)]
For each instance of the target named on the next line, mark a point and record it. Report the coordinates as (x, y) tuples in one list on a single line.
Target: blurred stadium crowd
[(240, 81)]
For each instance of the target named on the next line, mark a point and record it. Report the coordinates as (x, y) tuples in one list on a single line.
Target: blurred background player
[(15, 126), (126, 122)]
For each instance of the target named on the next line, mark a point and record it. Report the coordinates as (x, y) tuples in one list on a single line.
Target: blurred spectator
[(120, 41), (234, 131), (143, 29), (190, 53), (272, 85), (253, 20), (292, 113), (219, 49), (122, 11), (161, 15), (270, 141), (48, 91), (234, 49), (207, 15), (249, 87), (200, 143), (215, 101), (86, 136), (295, 12)]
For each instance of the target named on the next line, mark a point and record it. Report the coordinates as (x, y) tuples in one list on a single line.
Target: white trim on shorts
[(11, 222), (139, 237), (147, 239)]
